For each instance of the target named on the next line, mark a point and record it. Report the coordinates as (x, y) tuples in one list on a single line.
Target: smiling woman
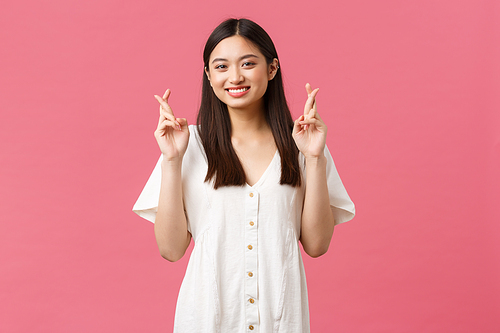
[(246, 184), (238, 73), (239, 54)]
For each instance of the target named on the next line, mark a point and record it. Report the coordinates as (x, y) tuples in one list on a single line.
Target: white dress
[(245, 273)]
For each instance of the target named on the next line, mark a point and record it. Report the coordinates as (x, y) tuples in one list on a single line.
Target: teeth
[(234, 91)]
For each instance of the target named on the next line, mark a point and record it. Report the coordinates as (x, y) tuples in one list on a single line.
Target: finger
[(296, 126), (318, 123), (311, 99), (308, 88), (165, 110), (162, 126), (311, 105), (310, 122), (167, 115), (314, 93), (164, 115), (166, 95), (313, 113), (300, 120), (183, 124), (164, 104), (316, 114)]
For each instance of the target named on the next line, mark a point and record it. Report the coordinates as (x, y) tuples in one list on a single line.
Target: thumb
[(296, 126)]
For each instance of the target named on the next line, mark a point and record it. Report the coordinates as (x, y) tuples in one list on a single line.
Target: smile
[(237, 92)]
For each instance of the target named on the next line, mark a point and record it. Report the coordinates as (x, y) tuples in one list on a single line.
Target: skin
[(236, 62)]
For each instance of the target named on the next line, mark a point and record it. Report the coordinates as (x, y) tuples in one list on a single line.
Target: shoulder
[(195, 147), (194, 133)]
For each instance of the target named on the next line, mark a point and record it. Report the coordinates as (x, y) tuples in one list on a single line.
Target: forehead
[(234, 47)]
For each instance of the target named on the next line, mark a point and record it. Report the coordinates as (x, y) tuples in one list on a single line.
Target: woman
[(247, 183)]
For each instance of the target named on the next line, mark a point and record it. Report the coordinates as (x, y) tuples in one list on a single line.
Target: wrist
[(171, 163), (315, 160)]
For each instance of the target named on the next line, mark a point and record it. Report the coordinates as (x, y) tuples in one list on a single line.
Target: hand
[(309, 131), (172, 134)]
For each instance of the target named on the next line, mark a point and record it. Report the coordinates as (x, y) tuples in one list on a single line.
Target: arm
[(170, 226), (309, 133), (317, 217)]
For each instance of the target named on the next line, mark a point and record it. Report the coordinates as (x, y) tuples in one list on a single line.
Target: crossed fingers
[(311, 99), (311, 115), (166, 113)]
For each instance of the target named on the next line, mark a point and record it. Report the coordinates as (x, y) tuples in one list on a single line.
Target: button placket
[(251, 261)]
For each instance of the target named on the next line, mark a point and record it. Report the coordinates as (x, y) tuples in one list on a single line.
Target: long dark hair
[(224, 167)]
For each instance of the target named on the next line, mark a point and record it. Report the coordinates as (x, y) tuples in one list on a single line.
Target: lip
[(238, 94)]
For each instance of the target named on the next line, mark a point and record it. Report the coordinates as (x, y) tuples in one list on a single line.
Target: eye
[(248, 63), (220, 66)]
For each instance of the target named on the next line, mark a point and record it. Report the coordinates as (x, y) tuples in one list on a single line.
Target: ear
[(273, 69), (207, 72)]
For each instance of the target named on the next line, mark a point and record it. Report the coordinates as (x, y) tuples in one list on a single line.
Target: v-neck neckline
[(263, 176)]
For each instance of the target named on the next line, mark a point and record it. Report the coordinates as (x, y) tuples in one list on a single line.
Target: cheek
[(217, 86), (262, 77), (217, 81)]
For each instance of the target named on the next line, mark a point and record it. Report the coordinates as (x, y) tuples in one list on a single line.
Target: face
[(239, 74)]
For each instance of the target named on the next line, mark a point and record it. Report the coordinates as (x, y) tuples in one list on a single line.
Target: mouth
[(237, 91)]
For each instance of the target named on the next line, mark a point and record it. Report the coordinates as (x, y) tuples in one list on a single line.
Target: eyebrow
[(241, 58)]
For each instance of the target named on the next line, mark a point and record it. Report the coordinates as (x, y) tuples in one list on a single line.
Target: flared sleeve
[(340, 203), (194, 169), (146, 205)]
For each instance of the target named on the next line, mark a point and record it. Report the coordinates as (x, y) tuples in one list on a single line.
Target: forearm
[(170, 227), (317, 218)]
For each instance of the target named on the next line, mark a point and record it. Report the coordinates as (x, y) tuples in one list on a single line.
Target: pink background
[(409, 90)]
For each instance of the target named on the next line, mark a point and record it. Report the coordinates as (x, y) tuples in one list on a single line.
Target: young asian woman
[(247, 184)]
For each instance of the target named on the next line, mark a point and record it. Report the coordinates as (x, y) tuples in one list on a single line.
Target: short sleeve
[(194, 169), (146, 205), (341, 205)]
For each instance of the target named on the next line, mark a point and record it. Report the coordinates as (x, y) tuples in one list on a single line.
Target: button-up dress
[(245, 273)]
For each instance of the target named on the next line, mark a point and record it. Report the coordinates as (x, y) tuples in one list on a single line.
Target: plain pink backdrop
[(410, 92)]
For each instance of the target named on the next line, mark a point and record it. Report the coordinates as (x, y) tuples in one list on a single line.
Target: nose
[(235, 76)]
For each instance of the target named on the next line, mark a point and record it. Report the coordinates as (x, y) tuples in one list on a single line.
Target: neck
[(248, 121)]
